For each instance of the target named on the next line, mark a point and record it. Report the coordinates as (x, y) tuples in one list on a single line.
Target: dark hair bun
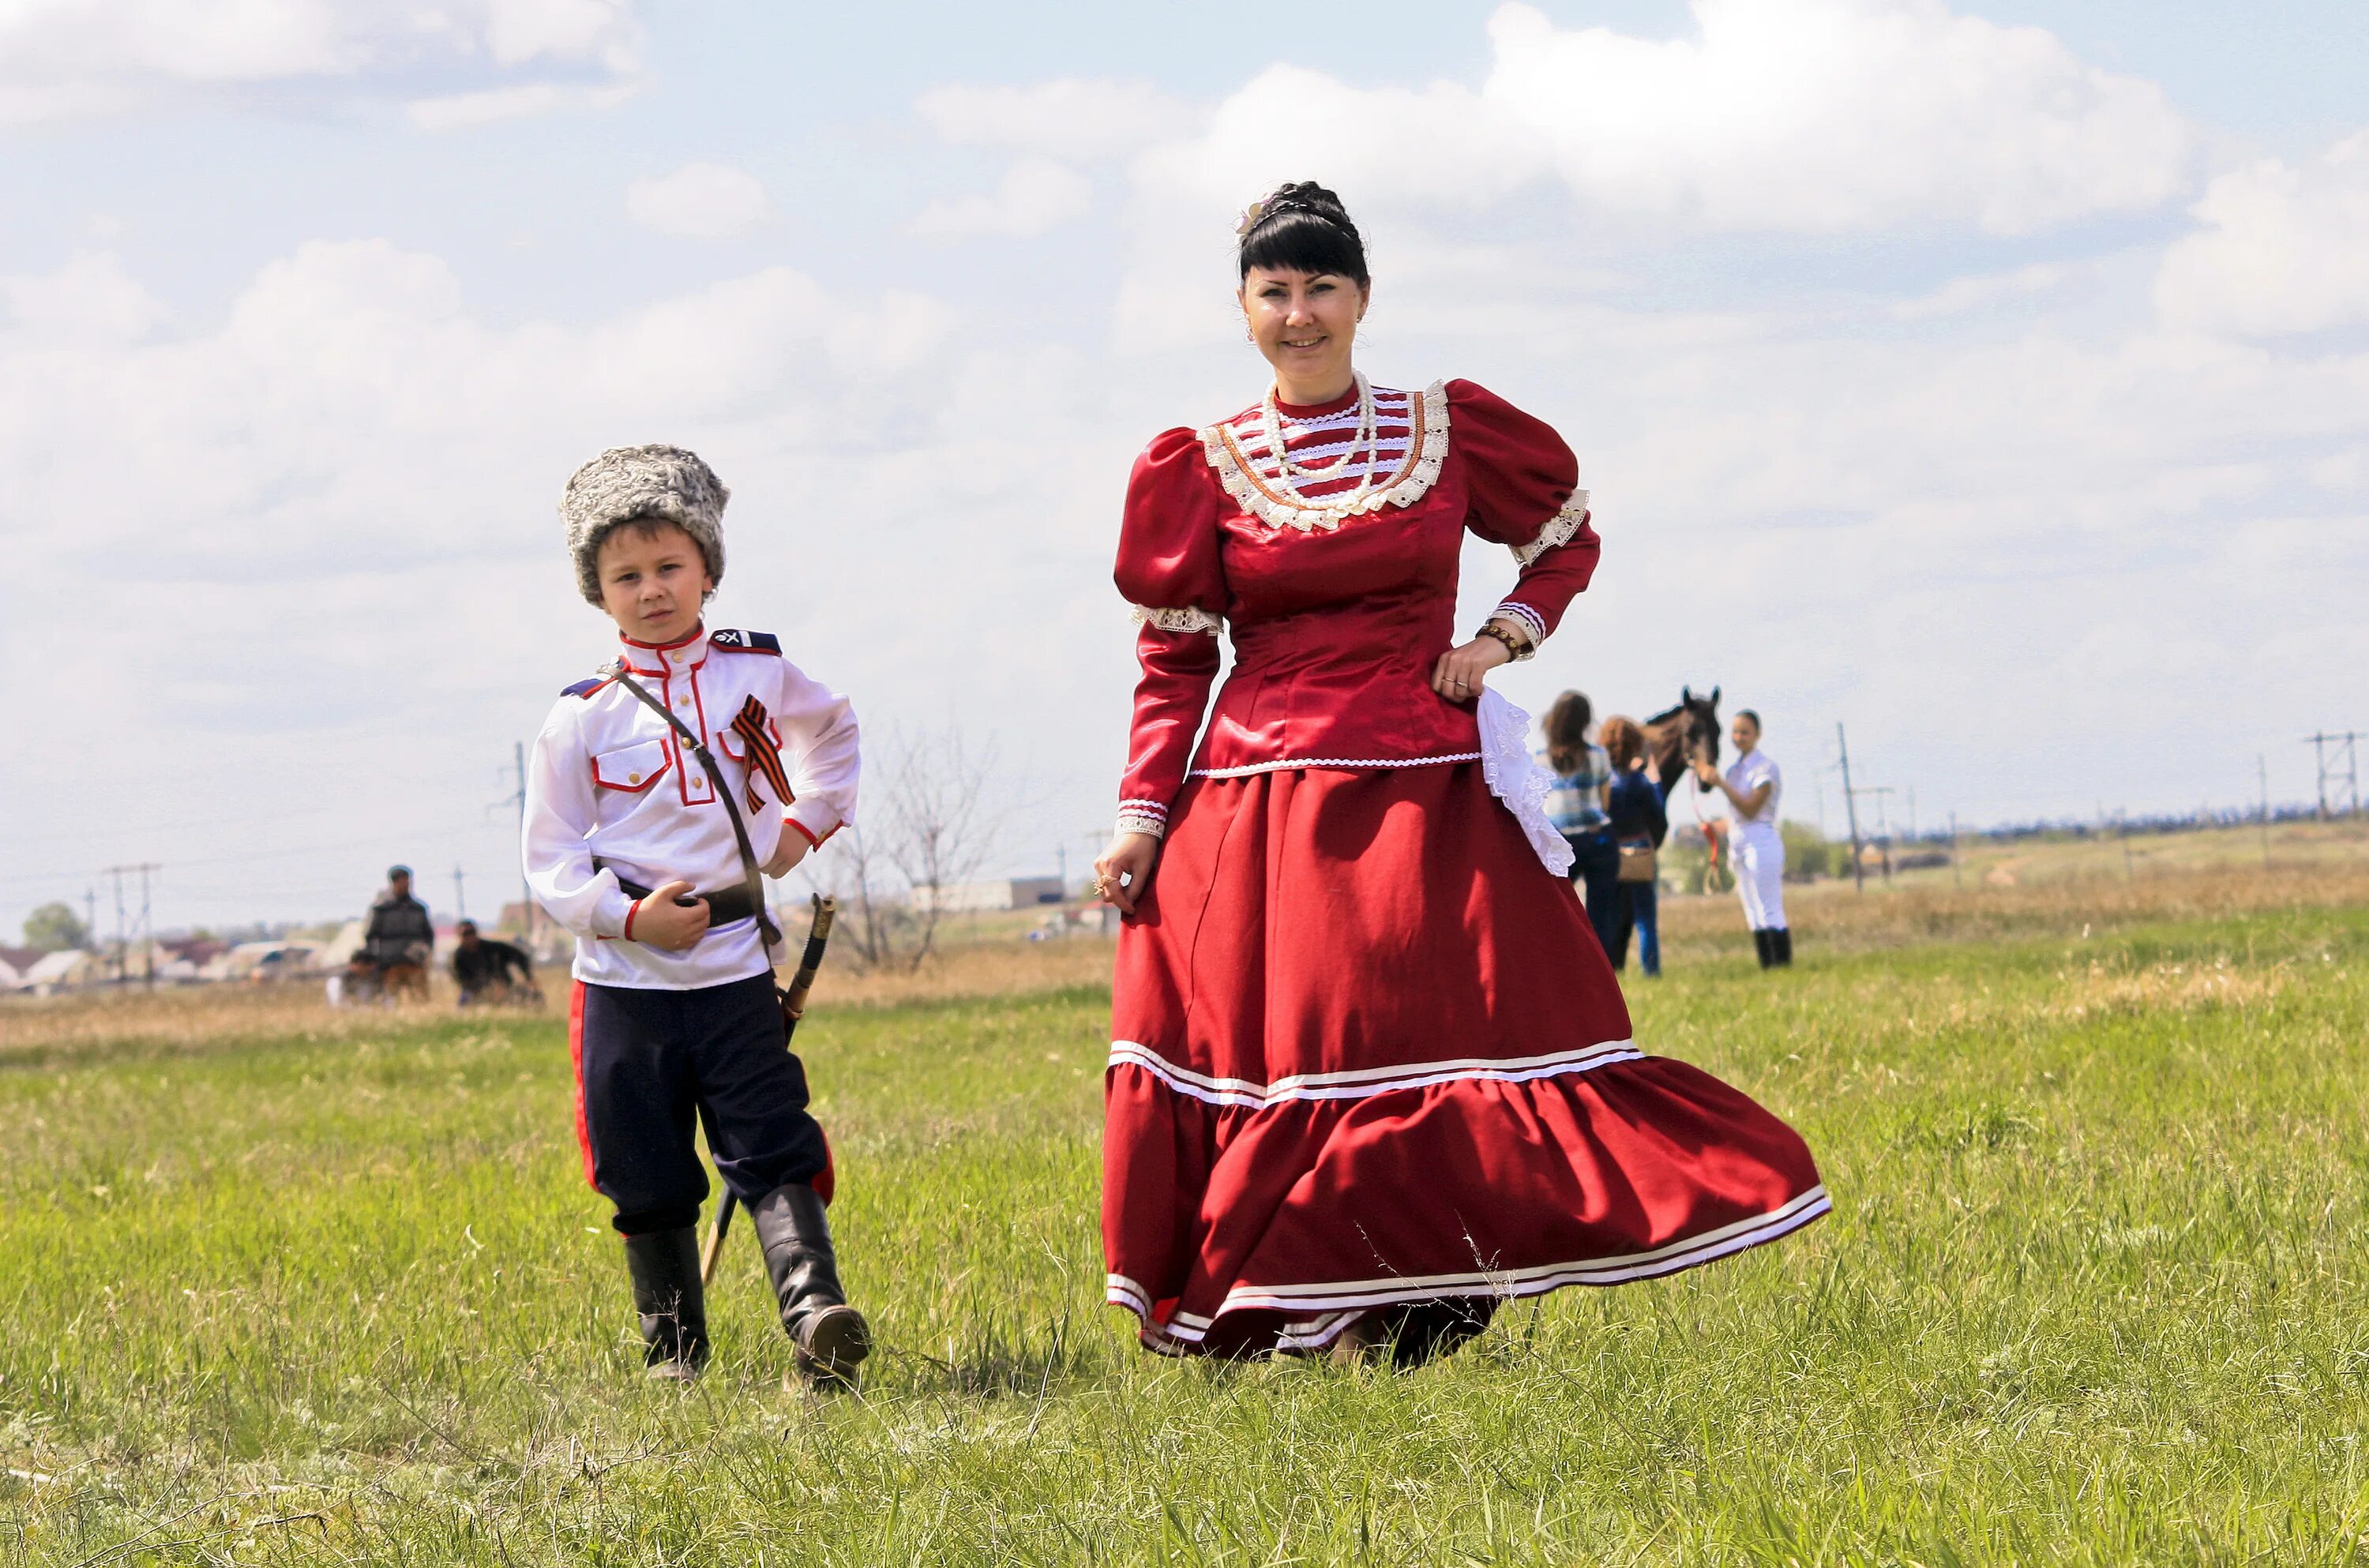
[(1303, 227)]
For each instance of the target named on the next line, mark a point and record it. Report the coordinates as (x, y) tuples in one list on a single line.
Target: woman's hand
[(1123, 874), (1706, 774), (1457, 675)]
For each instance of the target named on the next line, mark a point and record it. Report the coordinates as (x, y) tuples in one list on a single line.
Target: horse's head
[(1701, 725)]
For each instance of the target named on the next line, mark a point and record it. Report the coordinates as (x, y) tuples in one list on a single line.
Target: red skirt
[(1366, 1050)]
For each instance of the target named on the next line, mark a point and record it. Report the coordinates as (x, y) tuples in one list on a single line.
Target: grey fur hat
[(629, 482)]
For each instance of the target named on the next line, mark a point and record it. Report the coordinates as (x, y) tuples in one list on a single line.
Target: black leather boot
[(664, 1266), (1784, 943), (1762, 944), (832, 1339)]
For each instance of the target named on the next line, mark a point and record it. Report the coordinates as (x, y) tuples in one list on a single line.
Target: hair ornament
[(1250, 215)]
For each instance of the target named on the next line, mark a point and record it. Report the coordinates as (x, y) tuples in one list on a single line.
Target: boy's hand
[(794, 847), (661, 922)]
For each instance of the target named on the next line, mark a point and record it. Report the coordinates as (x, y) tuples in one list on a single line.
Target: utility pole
[(1850, 804), (124, 931), (2262, 771), (1912, 812), (2334, 760), (1883, 823), (1957, 871), (460, 905), (90, 914)]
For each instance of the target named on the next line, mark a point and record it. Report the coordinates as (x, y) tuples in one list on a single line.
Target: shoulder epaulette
[(732, 641), (585, 688)]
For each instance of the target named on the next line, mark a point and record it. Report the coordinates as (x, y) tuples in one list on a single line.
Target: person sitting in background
[(1575, 808), (1639, 824), (399, 932), (489, 971)]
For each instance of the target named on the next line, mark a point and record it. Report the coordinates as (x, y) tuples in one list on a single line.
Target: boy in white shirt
[(648, 844)]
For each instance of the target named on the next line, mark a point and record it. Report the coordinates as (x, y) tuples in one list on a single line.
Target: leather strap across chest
[(698, 748)]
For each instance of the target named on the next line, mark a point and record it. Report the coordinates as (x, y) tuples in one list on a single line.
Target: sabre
[(794, 1007)]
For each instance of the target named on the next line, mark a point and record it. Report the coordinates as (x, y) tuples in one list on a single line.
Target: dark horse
[(1677, 737)]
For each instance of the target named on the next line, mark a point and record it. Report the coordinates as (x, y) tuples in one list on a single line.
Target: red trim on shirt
[(576, 1057), (631, 910), (812, 843)]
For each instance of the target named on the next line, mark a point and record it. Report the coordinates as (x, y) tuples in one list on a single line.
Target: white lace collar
[(1279, 506)]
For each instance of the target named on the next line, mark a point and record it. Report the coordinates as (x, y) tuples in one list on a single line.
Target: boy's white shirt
[(610, 779)]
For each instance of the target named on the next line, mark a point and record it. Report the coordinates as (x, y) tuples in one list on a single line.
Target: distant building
[(1011, 893), (68, 971), (15, 962)]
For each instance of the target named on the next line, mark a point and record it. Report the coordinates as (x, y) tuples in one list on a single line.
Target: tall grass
[(281, 1288)]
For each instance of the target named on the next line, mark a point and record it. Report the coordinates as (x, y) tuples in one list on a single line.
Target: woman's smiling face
[(1306, 324)]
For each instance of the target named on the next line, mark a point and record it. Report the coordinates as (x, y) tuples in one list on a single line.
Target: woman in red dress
[(1370, 1074)]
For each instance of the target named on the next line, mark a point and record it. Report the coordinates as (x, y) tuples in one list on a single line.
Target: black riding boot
[(830, 1337), (664, 1266), (1763, 943), (1784, 943)]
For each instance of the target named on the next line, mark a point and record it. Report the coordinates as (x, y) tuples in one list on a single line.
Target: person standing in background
[(1753, 787), (1639, 824), (1575, 807)]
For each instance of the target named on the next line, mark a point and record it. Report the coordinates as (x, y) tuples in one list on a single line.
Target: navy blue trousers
[(648, 1062)]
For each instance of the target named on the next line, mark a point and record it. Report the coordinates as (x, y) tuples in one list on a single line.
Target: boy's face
[(653, 581)]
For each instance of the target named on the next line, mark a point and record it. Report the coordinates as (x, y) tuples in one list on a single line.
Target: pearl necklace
[(1367, 437)]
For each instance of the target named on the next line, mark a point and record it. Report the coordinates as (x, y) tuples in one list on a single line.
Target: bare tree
[(928, 823)]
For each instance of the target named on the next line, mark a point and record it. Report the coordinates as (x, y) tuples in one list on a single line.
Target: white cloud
[(1072, 118), (1829, 116), (1807, 116), (699, 201), (1035, 195), (459, 112), (1962, 294), (2283, 249), (89, 299), (321, 530), (62, 59)]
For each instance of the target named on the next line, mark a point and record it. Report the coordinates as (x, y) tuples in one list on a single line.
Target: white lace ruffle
[(1186, 620), (1142, 822), (1516, 778), (1560, 529), (1415, 478)]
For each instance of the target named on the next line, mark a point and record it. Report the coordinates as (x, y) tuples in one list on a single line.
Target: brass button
[(632, 778)]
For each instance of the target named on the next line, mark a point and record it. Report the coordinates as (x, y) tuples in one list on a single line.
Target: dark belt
[(725, 908)]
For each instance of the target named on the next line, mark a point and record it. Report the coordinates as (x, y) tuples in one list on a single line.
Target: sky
[(1989, 378)]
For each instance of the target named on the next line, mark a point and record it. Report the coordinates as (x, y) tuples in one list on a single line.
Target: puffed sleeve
[(1524, 487), (1169, 571), (822, 751), (560, 817)]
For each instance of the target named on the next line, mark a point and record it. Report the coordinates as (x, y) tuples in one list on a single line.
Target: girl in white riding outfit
[(1753, 787)]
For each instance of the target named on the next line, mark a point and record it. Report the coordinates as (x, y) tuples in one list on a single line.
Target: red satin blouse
[(1335, 629)]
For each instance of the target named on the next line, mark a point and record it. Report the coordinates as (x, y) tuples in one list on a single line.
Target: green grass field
[(2093, 1293)]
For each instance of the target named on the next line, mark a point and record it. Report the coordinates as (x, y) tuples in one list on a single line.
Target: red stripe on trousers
[(576, 1056)]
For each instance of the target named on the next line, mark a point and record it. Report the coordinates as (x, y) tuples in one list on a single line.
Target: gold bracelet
[(1519, 648)]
